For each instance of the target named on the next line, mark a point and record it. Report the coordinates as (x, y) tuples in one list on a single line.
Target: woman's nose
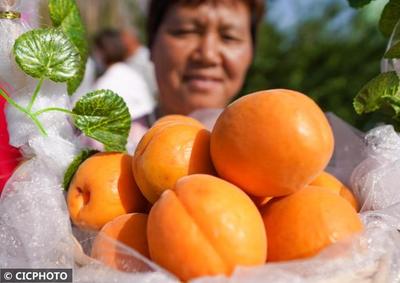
[(208, 50)]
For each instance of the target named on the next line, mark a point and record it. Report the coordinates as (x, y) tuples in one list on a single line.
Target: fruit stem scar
[(85, 195)]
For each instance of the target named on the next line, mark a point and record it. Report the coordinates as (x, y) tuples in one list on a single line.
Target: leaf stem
[(37, 113), (20, 108), (12, 102), (35, 94), (38, 124)]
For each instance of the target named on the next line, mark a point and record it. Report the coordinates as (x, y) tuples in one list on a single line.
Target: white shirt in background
[(88, 80), (130, 85), (140, 62)]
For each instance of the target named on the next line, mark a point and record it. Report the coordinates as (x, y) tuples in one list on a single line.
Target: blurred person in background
[(87, 82), (109, 53), (138, 57), (201, 51)]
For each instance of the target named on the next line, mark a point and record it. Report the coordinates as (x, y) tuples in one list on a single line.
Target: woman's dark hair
[(109, 43), (158, 9)]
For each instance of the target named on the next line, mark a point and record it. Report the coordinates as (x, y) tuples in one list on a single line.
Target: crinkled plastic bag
[(371, 167), (10, 30), (35, 230), (375, 181)]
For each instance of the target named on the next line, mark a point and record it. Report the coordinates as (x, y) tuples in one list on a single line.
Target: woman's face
[(201, 55)]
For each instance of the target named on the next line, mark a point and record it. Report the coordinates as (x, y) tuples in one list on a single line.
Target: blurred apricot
[(205, 226), (103, 188), (329, 181), (302, 224), (168, 151), (128, 229), (271, 143)]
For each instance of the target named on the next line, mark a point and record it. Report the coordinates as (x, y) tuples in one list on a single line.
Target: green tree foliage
[(329, 64)]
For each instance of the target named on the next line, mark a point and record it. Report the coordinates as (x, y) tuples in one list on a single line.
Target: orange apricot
[(271, 143), (260, 201), (128, 229), (168, 152), (103, 188), (329, 181), (176, 118), (205, 226), (303, 223)]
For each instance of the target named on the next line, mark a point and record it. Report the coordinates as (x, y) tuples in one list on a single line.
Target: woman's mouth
[(202, 83)]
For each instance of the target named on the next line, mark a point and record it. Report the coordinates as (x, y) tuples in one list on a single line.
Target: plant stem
[(20, 108), (35, 94), (38, 124), (12, 102), (37, 113)]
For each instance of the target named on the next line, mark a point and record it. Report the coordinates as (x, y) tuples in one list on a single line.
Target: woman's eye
[(230, 38), (181, 32)]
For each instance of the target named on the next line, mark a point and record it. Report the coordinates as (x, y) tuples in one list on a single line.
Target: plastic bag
[(36, 231), (371, 167)]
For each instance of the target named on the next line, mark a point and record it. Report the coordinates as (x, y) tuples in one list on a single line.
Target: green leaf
[(47, 53), (104, 116), (389, 18), (381, 93), (74, 83), (393, 52), (74, 29), (359, 3), (65, 14), (59, 10), (73, 167)]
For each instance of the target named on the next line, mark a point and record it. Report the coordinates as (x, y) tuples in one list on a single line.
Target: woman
[(201, 51)]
